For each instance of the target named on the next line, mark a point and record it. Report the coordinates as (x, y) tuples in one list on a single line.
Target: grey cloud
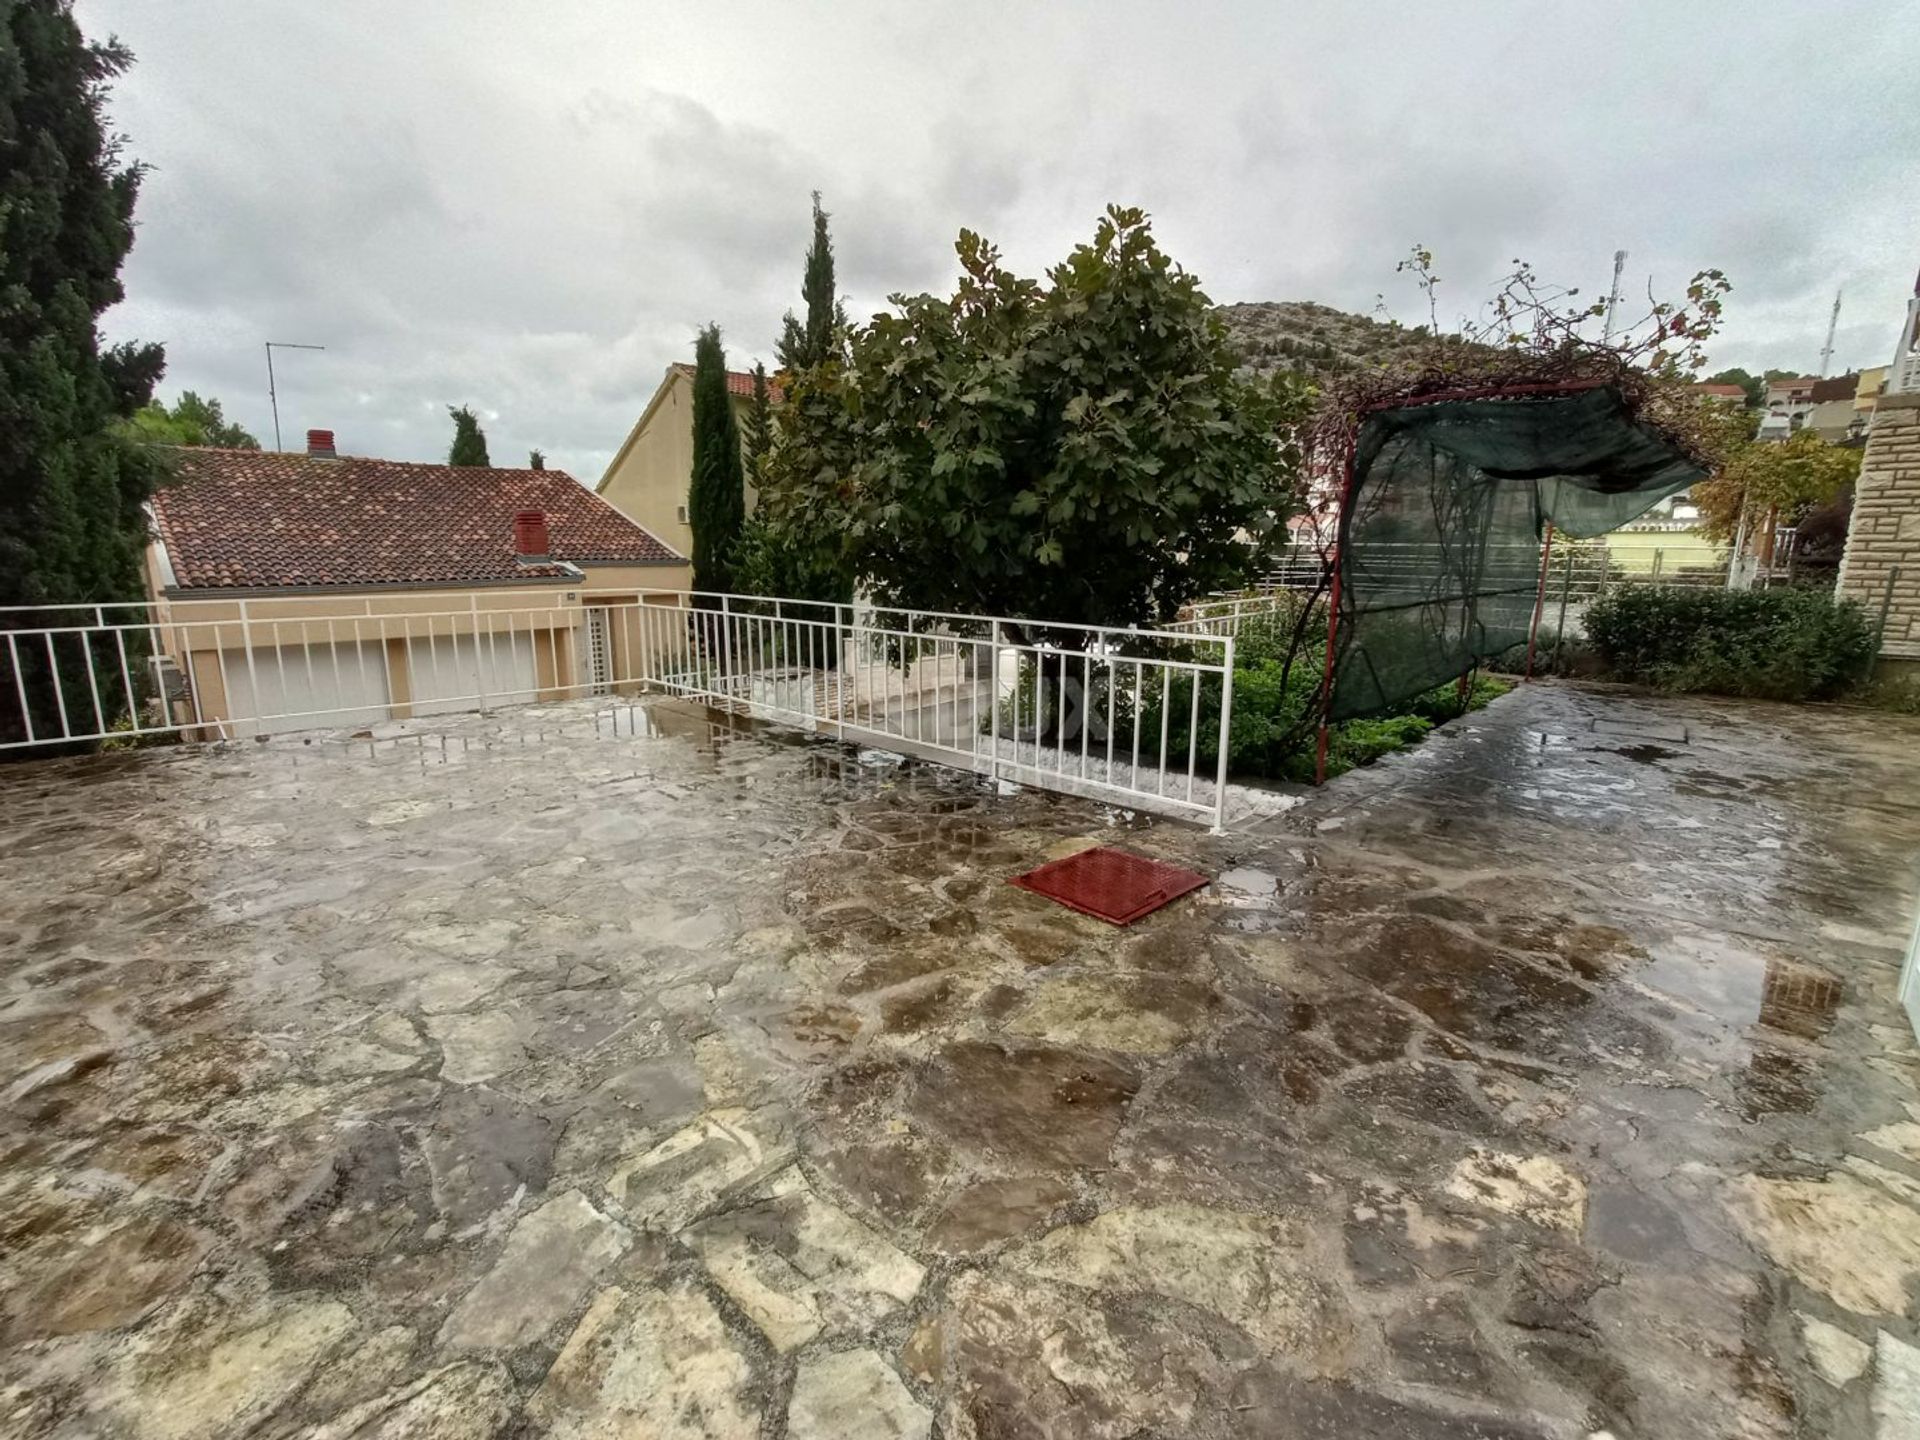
[(532, 209)]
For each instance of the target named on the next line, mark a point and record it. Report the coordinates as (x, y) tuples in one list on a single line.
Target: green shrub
[(1269, 635), (1901, 695), (1268, 738), (1766, 644), (1442, 703), (1265, 714), (1353, 743)]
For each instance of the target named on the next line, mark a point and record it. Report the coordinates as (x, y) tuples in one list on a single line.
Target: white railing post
[(993, 706), (726, 645), (253, 681), (479, 664), (1226, 735), (843, 654)]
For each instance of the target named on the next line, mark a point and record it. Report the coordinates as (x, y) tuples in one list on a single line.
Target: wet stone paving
[(621, 1072)]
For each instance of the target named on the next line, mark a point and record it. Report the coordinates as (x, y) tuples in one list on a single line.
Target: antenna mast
[(1613, 295), (273, 396), (1833, 324)]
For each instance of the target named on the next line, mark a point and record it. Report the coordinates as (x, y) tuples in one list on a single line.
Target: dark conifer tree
[(802, 346), (469, 440), (757, 430), (716, 494), (72, 479)]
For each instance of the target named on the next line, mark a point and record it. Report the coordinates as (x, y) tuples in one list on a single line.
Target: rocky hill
[(1316, 340)]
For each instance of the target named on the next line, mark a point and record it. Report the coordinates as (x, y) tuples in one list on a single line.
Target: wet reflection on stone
[(623, 1067)]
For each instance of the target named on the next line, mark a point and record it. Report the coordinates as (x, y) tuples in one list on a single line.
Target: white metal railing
[(1598, 566), (1229, 614), (1140, 716)]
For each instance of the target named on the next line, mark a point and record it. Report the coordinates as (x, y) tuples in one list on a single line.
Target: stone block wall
[(1883, 541)]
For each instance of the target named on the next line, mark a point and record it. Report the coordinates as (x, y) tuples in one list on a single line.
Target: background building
[(299, 590), (648, 478)]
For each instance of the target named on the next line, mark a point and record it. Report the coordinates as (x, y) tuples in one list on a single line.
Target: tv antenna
[(1833, 324), (1613, 296), (273, 398)]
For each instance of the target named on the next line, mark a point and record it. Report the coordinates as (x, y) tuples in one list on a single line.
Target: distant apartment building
[(1722, 394), (1843, 406), (1790, 398)]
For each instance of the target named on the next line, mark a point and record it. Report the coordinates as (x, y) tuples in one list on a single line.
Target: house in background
[(1665, 543), (650, 473), (1789, 399), (1843, 406), (1722, 394), (293, 591)]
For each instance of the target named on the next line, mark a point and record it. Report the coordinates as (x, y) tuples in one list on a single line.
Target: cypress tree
[(716, 495), (536, 459), (758, 429), (72, 481), (469, 441), (802, 347)]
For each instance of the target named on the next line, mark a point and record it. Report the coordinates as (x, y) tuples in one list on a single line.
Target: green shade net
[(1440, 537)]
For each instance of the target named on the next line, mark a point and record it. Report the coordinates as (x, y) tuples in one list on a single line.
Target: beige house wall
[(1881, 567), (650, 475)]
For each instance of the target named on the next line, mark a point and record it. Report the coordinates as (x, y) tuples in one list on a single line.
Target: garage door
[(452, 673), (315, 687)]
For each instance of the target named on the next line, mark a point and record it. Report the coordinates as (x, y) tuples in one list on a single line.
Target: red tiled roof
[(739, 382), (257, 520), (1730, 392)]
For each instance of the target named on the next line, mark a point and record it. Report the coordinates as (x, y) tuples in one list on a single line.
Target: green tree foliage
[(768, 558), (1779, 478), (71, 486), (757, 428), (536, 459), (469, 441), (1082, 451), (190, 421), (1755, 387), (803, 346), (716, 497)]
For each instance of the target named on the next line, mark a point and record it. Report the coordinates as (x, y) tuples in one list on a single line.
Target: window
[(683, 515)]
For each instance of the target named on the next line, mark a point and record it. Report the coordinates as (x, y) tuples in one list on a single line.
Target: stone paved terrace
[(611, 1074)]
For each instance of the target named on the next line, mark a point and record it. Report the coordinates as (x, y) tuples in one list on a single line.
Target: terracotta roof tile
[(259, 519), (739, 382)]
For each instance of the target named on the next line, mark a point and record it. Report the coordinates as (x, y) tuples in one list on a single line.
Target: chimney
[(320, 444), (530, 536)]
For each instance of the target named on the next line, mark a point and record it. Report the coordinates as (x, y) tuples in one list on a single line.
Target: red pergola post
[(1333, 619), (1539, 599)]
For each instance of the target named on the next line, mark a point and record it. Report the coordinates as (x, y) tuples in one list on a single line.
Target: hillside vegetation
[(1317, 340)]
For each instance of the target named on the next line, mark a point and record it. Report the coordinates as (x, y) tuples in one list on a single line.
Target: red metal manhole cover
[(1110, 884)]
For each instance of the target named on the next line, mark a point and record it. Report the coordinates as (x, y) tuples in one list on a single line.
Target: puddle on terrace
[(1646, 754), (1740, 986)]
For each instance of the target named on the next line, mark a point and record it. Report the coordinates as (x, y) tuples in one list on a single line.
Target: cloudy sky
[(530, 205)]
